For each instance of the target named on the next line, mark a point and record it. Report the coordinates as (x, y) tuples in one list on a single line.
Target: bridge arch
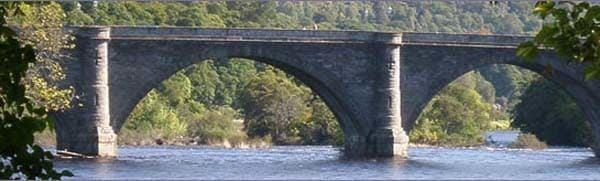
[(448, 63), (330, 98)]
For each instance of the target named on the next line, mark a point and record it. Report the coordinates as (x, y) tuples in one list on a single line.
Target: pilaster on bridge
[(388, 138), (86, 129)]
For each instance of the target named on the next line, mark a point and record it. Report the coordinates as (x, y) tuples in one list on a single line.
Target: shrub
[(216, 125), (528, 141)]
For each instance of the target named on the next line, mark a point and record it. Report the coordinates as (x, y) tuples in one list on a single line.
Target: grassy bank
[(150, 137)]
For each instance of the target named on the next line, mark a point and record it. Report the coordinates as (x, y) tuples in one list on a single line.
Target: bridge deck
[(312, 36)]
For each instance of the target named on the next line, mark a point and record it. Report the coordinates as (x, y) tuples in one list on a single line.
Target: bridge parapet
[(247, 35), (450, 39), (310, 36)]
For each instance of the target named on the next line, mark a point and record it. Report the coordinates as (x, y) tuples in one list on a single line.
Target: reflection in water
[(323, 162)]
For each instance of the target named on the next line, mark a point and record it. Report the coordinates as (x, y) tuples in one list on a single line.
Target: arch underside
[(136, 67), (434, 67)]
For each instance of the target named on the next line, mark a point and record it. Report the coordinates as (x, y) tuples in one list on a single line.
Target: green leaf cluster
[(457, 116), (42, 26), (572, 31), (552, 115), (19, 118)]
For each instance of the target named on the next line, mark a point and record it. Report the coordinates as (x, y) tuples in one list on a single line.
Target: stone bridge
[(375, 83)]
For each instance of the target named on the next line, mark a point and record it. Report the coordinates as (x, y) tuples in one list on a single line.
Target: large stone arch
[(121, 106), (436, 66), (354, 72)]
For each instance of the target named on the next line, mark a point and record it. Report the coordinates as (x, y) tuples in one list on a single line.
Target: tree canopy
[(20, 116), (573, 31)]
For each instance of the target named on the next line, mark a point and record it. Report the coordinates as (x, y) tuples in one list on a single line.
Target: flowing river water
[(324, 162)]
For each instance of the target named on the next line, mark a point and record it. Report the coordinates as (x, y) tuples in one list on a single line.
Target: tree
[(381, 11), (78, 17), (552, 115), (573, 32), (270, 103), (215, 125), (509, 81), (20, 117), (318, 125), (205, 81), (153, 114), (42, 26), (177, 89), (234, 74), (456, 116)]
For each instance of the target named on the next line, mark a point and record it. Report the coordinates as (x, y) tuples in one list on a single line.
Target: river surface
[(324, 162)]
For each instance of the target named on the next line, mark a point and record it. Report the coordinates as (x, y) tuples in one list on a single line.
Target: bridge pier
[(388, 138), (86, 128), (355, 146)]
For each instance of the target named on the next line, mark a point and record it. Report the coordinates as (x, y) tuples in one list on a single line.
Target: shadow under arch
[(348, 125), (567, 76)]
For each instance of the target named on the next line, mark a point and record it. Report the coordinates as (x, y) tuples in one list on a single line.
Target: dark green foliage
[(509, 82), (271, 102), (473, 17), (19, 117), (78, 17), (552, 115), (573, 32)]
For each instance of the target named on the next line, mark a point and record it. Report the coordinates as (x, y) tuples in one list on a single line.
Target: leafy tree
[(270, 103), (318, 126), (157, 12), (20, 117), (154, 116), (78, 17), (177, 89), (234, 74), (41, 25), (552, 115), (509, 81), (573, 32), (114, 14), (381, 12), (215, 125), (205, 81), (474, 81), (197, 15), (456, 116)]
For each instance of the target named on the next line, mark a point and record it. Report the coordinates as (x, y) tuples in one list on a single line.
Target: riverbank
[(187, 141), (47, 138)]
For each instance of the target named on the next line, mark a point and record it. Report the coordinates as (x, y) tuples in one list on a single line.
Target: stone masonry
[(375, 83)]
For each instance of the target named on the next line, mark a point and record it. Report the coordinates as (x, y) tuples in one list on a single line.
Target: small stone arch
[(449, 63)]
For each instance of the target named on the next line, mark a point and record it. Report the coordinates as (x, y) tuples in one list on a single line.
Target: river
[(324, 162)]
